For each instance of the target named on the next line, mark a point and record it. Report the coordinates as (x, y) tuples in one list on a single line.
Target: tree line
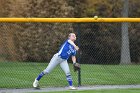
[(100, 43)]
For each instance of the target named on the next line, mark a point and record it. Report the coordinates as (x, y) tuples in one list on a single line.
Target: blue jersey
[(66, 50)]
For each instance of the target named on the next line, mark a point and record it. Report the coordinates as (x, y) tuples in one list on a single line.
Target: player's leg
[(53, 63), (65, 67)]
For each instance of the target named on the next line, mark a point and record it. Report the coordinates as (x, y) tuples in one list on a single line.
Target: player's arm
[(72, 43), (73, 59)]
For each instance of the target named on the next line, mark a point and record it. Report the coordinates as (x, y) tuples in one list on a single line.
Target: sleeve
[(72, 43)]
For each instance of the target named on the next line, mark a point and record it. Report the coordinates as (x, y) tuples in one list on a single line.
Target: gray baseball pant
[(54, 62)]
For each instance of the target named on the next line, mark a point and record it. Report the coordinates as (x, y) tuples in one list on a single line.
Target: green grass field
[(21, 75), (101, 91)]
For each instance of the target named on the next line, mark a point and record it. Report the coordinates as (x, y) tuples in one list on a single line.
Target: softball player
[(68, 49)]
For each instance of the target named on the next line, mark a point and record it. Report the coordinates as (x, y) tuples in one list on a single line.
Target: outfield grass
[(101, 91), (21, 75)]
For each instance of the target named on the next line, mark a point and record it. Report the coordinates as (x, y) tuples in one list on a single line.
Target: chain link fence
[(26, 49)]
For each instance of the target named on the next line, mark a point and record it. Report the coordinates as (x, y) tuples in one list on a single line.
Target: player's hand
[(76, 67), (76, 48)]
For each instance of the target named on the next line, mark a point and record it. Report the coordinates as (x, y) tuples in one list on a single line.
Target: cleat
[(72, 88), (36, 84)]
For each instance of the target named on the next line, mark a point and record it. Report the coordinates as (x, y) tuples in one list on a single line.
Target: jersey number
[(69, 52)]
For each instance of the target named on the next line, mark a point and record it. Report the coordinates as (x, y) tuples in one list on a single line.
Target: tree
[(39, 41)]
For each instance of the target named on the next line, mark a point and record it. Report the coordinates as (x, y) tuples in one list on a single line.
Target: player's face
[(72, 37)]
